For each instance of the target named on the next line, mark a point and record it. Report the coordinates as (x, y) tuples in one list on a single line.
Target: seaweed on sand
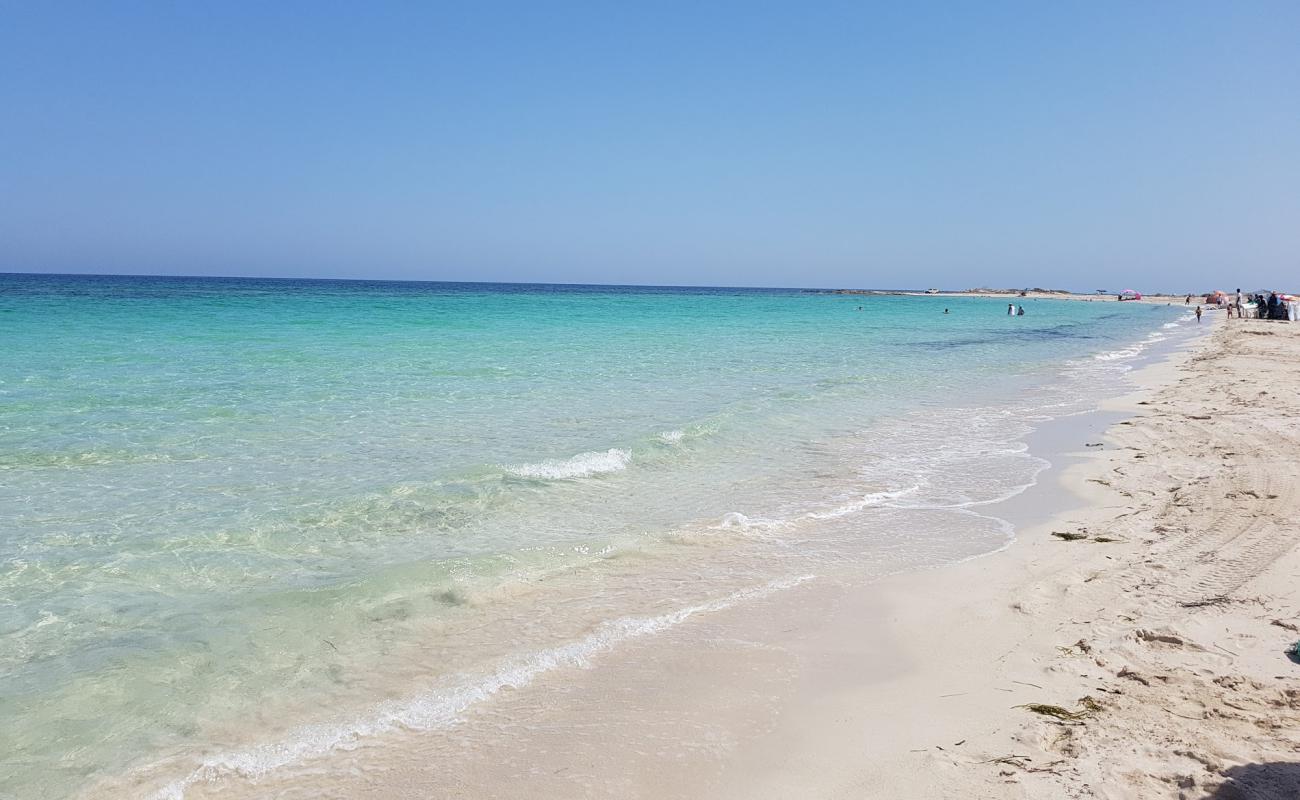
[(1049, 710), (1090, 706), (1217, 600)]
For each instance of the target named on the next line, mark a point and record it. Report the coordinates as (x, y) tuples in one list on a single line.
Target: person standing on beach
[(1198, 313)]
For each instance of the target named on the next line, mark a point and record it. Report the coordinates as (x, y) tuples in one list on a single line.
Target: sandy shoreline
[(1169, 629), (911, 686)]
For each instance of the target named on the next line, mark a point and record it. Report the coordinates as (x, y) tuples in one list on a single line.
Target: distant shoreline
[(1028, 294)]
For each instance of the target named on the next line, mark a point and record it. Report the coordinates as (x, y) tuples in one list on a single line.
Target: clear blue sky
[(1154, 144)]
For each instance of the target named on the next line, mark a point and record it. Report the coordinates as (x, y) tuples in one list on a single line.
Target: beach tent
[(1129, 294), (1292, 307)]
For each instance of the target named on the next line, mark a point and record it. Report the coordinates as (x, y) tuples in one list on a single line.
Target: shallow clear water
[(248, 521)]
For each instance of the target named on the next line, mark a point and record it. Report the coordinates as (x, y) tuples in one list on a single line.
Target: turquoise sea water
[(245, 522)]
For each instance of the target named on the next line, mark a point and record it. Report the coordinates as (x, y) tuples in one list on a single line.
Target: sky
[(905, 145)]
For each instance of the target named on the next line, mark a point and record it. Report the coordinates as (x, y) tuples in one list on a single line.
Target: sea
[(246, 523)]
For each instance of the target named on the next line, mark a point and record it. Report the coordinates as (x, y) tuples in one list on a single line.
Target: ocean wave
[(734, 519), (444, 708), (866, 501), (1116, 355), (679, 435), (1137, 348), (582, 465)]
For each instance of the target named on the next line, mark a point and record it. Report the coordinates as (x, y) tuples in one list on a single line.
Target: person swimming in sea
[(1020, 311)]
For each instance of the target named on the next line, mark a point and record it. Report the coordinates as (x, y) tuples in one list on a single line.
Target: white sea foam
[(1115, 355), (864, 502), (1140, 347), (734, 519), (580, 466), (679, 435), (444, 708)]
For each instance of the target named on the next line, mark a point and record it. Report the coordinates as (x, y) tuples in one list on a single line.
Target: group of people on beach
[(1261, 305)]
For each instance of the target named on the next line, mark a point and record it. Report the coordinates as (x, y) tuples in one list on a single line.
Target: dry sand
[(1163, 630)]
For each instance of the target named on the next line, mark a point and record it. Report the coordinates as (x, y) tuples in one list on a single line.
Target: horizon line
[(516, 283)]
